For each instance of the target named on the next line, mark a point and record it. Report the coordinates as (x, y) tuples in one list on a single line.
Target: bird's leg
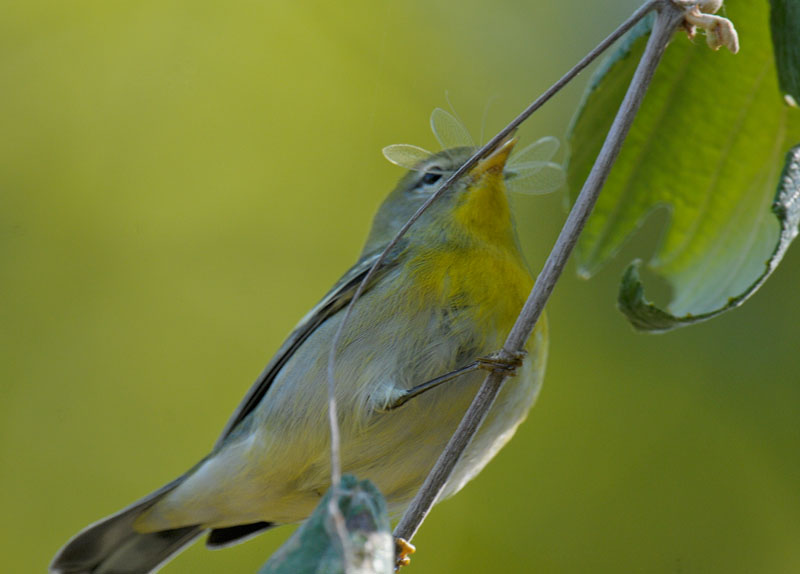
[(403, 549), (492, 362), (428, 385)]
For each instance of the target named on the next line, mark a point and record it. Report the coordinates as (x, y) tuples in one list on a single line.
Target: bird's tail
[(113, 546)]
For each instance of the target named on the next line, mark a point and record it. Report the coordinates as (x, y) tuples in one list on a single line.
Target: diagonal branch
[(668, 19), (484, 151)]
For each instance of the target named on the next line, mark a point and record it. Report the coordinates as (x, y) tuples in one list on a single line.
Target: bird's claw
[(503, 362)]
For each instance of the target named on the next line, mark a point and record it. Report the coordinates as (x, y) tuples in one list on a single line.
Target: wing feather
[(336, 299)]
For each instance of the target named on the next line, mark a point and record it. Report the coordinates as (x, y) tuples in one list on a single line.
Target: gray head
[(424, 180)]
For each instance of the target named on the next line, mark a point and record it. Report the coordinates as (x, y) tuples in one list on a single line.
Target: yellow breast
[(474, 261)]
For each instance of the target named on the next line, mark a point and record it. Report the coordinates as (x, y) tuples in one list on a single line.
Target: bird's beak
[(496, 161)]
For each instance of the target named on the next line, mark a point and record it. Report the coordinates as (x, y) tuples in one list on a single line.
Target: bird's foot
[(504, 362)]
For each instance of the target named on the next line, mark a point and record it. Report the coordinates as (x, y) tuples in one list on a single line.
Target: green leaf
[(647, 317), (785, 24), (708, 145), (315, 547)]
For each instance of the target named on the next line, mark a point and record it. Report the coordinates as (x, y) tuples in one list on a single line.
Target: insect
[(529, 171)]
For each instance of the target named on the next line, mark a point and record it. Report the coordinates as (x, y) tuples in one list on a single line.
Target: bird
[(407, 365)]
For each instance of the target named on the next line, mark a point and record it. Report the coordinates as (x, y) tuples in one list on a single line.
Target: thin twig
[(470, 163), (669, 17)]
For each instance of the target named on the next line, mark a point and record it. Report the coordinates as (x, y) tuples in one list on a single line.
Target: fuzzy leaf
[(314, 548)]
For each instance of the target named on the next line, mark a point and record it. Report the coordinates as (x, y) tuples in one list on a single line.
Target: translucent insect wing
[(542, 150), (536, 178), (406, 155), (449, 130)]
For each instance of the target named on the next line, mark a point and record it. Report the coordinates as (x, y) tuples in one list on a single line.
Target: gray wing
[(336, 299)]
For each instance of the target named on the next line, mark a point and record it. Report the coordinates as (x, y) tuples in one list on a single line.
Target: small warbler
[(445, 296)]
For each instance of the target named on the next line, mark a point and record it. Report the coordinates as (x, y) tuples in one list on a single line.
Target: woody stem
[(669, 17)]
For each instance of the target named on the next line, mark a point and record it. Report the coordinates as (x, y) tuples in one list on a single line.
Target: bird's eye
[(431, 177)]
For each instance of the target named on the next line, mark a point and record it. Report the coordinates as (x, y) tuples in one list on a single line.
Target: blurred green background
[(181, 181)]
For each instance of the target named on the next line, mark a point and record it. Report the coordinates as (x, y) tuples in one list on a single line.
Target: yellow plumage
[(447, 295)]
